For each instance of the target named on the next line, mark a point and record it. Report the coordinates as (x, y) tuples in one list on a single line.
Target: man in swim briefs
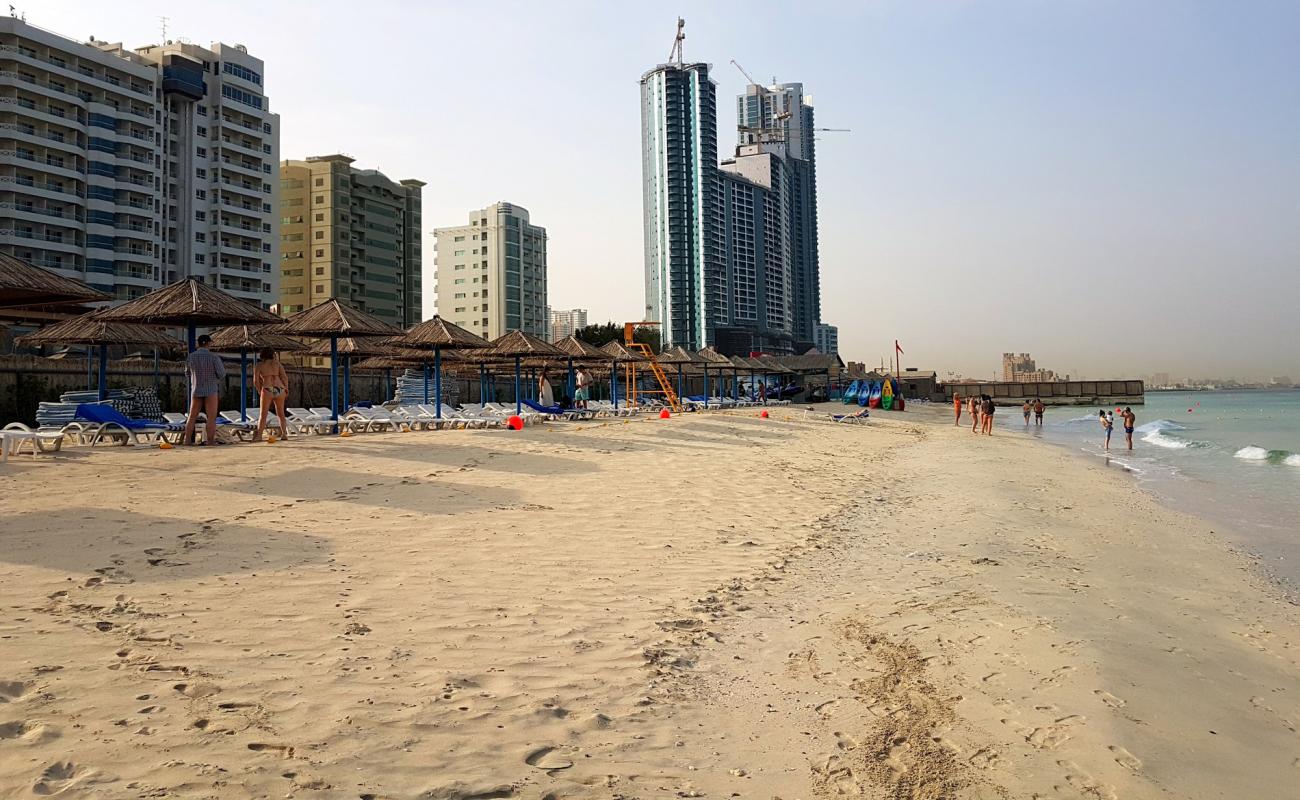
[(1038, 411), (1130, 422)]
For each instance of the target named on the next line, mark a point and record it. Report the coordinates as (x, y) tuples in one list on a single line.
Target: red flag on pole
[(896, 347)]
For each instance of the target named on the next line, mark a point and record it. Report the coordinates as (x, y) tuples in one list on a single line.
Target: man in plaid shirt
[(206, 374)]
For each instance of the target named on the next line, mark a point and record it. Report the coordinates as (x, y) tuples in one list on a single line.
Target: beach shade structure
[(519, 345), (709, 358), (242, 338), (93, 329), (350, 348), (190, 303), (578, 350), (617, 353), (681, 357), (740, 362), (438, 334), (332, 320), (24, 285)]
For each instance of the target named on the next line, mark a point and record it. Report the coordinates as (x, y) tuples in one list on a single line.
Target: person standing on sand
[(272, 386), (956, 407), (986, 415), (206, 373), (1027, 409), (1038, 411), (545, 394), (1130, 422), (1107, 426), (975, 404), (582, 390)]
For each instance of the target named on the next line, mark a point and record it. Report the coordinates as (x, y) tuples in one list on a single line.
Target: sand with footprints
[(708, 606)]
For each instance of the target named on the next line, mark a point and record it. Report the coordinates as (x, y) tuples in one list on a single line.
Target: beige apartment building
[(349, 234), (491, 274)]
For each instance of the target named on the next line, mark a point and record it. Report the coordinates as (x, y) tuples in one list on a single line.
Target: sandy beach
[(715, 605)]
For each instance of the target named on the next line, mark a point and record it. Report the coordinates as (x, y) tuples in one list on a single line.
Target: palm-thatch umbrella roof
[(358, 347), (189, 302), (615, 350), (520, 344), (23, 284), (579, 349), (92, 328), (711, 357), (676, 355), (444, 335), (252, 337), (332, 318), (771, 365)]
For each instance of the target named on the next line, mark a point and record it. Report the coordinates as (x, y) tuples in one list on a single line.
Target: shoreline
[(711, 605)]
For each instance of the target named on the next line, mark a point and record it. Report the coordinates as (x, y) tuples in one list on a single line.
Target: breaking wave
[(1256, 453)]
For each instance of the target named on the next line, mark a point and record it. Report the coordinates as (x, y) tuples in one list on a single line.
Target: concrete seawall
[(1057, 393)]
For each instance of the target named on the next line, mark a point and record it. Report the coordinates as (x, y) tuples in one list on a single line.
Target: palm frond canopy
[(518, 343), (189, 302), (92, 328), (438, 332), (252, 337), (23, 284), (333, 318), (711, 357), (370, 346), (676, 355), (577, 348)]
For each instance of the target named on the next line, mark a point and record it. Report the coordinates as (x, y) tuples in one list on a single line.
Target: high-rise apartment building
[(349, 234), (826, 338), (491, 273), (731, 253), (133, 168), (679, 165), (566, 323)]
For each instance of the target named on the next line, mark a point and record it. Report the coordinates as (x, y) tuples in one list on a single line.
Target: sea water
[(1229, 457)]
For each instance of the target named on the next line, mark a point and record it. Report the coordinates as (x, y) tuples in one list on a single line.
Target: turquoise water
[(1229, 457)]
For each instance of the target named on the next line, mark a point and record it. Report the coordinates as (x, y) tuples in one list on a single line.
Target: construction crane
[(743, 72), (678, 52)]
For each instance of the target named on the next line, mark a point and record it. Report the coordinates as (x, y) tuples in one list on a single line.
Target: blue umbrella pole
[(572, 386), (482, 383), (613, 381), (190, 338), (426, 382), (437, 382), (243, 385), (103, 372), (706, 387), (519, 406), (334, 381), (388, 382), (347, 383), (679, 383)]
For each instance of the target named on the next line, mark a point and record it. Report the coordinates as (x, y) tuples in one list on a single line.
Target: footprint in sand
[(281, 750), (1126, 759), (11, 691), (1110, 699), (58, 778), (1050, 737), (544, 758)]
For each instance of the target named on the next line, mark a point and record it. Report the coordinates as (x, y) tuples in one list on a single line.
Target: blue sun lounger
[(111, 422)]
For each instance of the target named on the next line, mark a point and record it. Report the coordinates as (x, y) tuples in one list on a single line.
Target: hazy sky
[(1112, 186)]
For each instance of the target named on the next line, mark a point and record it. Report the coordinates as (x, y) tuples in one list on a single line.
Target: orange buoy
[(515, 423), (663, 414), (763, 414)]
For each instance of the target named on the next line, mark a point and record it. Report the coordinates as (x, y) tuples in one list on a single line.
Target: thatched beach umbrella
[(681, 357), (617, 353), (708, 357), (91, 329), (189, 303), (331, 320), (518, 345), (242, 338), (350, 348), (24, 285), (439, 334), (578, 349)]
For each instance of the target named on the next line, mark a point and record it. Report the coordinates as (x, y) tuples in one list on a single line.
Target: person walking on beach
[(1107, 427), (1130, 422), (1038, 411), (986, 415), (582, 388), (545, 394), (956, 407), (206, 373), (762, 393), (271, 383), (975, 405), (1027, 409)]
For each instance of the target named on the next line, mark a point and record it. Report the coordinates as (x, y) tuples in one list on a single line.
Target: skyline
[(1152, 141)]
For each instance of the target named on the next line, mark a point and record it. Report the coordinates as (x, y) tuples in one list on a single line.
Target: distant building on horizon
[(352, 235), (491, 273), (826, 338), (731, 252), (1020, 368), (129, 169), (566, 323)]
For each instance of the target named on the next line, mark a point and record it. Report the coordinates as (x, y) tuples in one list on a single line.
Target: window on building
[(200, 194), (320, 217), (320, 198), (319, 182), (320, 252), (320, 234), (320, 270), (200, 236), (201, 216), (459, 253), (320, 288), (460, 238), (199, 258)]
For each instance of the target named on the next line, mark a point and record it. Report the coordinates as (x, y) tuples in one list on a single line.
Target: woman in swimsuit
[(974, 414), (1107, 425), (272, 385), (1027, 409)]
